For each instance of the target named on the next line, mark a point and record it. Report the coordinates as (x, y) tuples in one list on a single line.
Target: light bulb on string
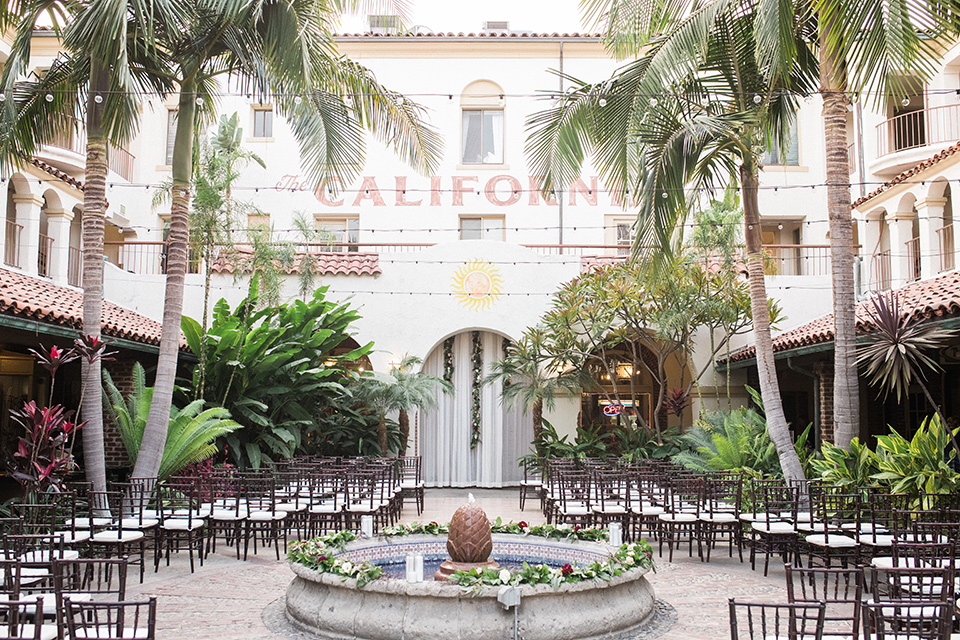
[(297, 100), (653, 102), (98, 99), (49, 97), (757, 99), (602, 102), (199, 101), (905, 102)]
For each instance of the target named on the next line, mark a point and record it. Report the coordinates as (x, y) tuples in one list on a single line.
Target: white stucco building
[(475, 247)]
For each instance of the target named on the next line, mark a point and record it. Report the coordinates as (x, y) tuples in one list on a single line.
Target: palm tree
[(526, 378), (281, 50), (413, 390), (109, 61), (685, 118), (861, 48)]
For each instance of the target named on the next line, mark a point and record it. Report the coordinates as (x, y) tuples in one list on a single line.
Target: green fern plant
[(191, 433), (730, 441)]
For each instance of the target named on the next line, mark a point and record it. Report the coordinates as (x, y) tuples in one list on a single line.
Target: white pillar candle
[(411, 568), (616, 534), (366, 526), (418, 567)]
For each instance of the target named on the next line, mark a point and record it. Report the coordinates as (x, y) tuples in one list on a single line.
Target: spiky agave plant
[(897, 353)]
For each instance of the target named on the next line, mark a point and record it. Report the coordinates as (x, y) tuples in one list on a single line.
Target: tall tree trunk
[(846, 385), (155, 431), (404, 419), (766, 367), (382, 435), (92, 223), (537, 413)]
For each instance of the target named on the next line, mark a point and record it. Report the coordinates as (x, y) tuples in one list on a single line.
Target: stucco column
[(901, 232), (28, 216), (58, 228), (930, 212)]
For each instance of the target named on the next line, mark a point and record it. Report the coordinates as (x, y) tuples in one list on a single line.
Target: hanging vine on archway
[(477, 360), (448, 359)]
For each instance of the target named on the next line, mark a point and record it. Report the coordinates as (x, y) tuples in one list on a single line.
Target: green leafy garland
[(318, 554), (448, 359), (557, 532), (477, 359), (506, 352), (627, 557)]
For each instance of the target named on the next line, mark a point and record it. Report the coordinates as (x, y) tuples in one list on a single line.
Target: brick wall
[(825, 372), (121, 370)]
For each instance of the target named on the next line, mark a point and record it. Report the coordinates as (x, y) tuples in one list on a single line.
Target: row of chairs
[(829, 525), (912, 601), (59, 598)]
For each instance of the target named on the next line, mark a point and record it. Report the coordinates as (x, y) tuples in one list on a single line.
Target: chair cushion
[(85, 522), (263, 516), (138, 523), (128, 632), (677, 517), (773, 527), (718, 517), (43, 555), (877, 540), (182, 524), (106, 537), (832, 540)]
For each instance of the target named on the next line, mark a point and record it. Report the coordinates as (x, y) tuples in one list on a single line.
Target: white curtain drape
[(448, 460)]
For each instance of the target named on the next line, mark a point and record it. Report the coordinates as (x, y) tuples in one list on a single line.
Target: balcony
[(946, 244), (905, 139), (74, 139), (913, 259), (882, 270), (11, 249), (43, 257), (797, 259)]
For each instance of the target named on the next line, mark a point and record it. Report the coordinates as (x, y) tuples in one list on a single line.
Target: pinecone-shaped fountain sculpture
[(468, 543)]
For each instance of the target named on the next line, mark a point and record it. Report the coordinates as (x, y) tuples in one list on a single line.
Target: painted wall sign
[(501, 190)]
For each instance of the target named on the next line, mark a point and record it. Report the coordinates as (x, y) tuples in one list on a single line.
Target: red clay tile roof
[(24, 296), (909, 173), (329, 263), (935, 298), (57, 173)]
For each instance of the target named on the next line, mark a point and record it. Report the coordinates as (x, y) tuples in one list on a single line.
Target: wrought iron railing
[(74, 267), (43, 255), (947, 251), (11, 248), (918, 128)]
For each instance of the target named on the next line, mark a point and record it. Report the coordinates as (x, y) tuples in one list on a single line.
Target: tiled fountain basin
[(388, 609)]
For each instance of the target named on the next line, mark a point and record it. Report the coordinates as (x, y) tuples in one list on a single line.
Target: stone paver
[(226, 599)]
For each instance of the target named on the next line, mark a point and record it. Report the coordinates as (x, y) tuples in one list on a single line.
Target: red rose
[(566, 570), (576, 527), (523, 524)]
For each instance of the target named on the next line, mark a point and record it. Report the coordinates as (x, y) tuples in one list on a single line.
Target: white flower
[(563, 527), (478, 570), (628, 560), (504, 576), (346, 567)]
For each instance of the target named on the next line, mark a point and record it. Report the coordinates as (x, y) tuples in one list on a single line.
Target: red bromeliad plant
[(44, 452)]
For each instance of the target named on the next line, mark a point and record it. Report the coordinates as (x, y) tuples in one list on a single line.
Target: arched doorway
[(445, 432)]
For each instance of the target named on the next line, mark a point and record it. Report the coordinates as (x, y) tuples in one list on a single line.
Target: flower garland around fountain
[(321, 554)]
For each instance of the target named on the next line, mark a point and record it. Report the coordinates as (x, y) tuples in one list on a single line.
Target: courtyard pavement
[(228, 599)]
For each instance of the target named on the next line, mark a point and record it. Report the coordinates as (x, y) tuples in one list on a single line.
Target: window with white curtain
[(263, 122), (481, 228), (482, 136)]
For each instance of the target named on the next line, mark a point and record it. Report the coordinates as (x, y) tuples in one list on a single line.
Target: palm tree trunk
[(404, 419), (92, 223), (766, 367), (155, 431), (537, 411), (846, 384), (382, 435)]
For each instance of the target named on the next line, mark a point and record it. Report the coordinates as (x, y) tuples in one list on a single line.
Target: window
[(483, 137), (171, 136), (481, 228), (788, 156), (334, 232), (263, 122), (619, 233), (259, 219)]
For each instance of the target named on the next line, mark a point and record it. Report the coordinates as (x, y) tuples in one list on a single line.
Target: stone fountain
[(469, 541), (390, 609)]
